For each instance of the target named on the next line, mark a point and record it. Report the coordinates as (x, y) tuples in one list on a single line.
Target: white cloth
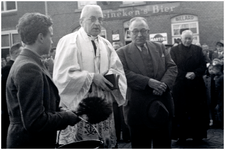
[(74, 68)]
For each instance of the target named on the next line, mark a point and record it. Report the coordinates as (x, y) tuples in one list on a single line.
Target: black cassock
[(191, 114)]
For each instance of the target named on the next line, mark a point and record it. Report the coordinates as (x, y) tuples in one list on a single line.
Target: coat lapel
[(136, 58)]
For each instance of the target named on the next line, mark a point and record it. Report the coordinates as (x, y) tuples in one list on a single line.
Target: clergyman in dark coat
[(191, 116)]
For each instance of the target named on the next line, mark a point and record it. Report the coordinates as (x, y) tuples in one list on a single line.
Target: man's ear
[(40, 38), (81, 21)]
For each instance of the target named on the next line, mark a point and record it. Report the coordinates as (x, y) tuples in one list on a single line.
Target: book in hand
[(114, 79)]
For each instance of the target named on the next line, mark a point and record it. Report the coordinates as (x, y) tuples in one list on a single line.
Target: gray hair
[(187, 32), (86, 10), (137, 19)]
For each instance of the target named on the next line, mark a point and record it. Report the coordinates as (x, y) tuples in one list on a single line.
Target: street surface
[(214, 140)]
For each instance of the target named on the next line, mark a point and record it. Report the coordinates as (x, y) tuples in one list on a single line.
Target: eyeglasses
[(94, 19), (143, 31)]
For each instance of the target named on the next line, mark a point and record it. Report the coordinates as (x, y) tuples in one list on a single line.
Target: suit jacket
[(165, 70), (33, 104), (5, 116)]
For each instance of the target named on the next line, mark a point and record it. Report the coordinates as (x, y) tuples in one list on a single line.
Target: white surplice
[(74, 68)]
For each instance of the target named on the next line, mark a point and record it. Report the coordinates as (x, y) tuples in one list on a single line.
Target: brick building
[(166, 19)]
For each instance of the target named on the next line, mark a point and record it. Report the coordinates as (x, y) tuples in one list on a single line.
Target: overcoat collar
[(137, 59), (37, 59), (190, 50)]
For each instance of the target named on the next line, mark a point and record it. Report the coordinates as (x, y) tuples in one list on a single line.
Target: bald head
[(138, 19), (187, 37), (91, 19), (88, 9)]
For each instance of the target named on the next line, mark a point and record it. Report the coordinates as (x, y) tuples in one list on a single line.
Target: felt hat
[(155, 112), (220, 42)]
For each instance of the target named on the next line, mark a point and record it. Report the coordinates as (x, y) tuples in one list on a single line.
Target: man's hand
[(159, 87), (101, 82), (190, 75)]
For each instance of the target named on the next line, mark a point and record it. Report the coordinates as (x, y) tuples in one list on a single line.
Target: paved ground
[(215, 140)]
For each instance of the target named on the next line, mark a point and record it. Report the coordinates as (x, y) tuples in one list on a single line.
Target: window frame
[(10, 33), (5, 6), (195, 35)]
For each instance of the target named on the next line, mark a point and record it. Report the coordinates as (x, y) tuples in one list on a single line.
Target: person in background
[(8, 58), (150, 74), (208, 79), (13, 52), (3, 62), (191, 119), (82, 60), (218, 97), (49, 61), (218, 52), (31, 96), (205, 50)]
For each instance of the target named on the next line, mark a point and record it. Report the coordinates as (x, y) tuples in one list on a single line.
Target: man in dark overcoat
[(32, 98), (13, 52), (189, 90), (150, 74)]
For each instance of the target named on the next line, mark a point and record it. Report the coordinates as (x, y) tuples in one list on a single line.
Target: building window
[(8, 6), (8, 39), (185, 22), (81, 4)]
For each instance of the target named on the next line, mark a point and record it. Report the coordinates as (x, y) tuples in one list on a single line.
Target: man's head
[(139, 30), (219, 45), (91, 19), (36, 29), (15, 50), (187, 37)]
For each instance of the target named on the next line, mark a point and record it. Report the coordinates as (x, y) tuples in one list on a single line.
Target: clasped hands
[(158, 87), (190, 75), (102, 82)]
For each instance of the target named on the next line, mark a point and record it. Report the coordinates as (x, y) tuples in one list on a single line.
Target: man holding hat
[(150, 74)]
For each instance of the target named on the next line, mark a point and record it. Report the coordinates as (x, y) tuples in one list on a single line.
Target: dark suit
[(5, 116), (165, 71), (33, 104)]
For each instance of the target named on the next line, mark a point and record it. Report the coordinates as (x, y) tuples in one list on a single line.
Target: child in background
[(208, 79), (218, 94)]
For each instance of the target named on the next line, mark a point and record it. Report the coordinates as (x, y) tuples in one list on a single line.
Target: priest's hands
[(101, 82), (190, 75), (157, 86)]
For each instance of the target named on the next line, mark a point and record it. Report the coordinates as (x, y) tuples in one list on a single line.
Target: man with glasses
[(81, 61), (150, 74)]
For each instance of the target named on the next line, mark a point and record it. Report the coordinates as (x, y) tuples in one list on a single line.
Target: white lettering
[(155, 8), (130, 13)]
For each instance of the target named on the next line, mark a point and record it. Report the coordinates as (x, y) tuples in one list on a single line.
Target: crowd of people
[(161, 95)]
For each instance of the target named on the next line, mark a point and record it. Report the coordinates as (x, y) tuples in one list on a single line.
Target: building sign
[(183, 18), (159, 37), (140, 10), (115, 37)]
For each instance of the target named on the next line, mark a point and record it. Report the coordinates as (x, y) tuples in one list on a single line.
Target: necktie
[(94, 45), (147, 61)]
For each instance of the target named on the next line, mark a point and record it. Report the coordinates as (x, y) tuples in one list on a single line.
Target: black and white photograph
[(112, 74)]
